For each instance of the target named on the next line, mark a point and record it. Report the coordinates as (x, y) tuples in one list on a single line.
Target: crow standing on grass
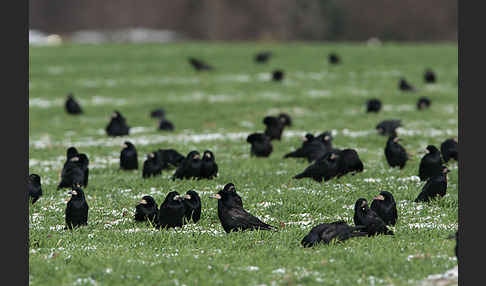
[(448, 148), (403, 85), (373, 105), (364, 216), (435, 186), (72, 106), (388, 127), (76, 209), (261, 144), (262, 57), (313, 148), (172, 210), (209, 168), (170, 158), (395, 154), (147, 210), (199, 65), (385, 207), (430, 164), (75, 172), (157, 113), (117, 125), (128, 157), (423, 103), (152, 166), (166, 125), (326, 232), (192, 204), (232, 215), (190, 168), (429, 76), (34, 187), (278, 75), (276, 124), (348, 162), (333, 58), (323, 168)]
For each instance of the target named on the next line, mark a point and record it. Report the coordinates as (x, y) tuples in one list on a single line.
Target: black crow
[(364, 216), (403, 85), (436, 185), (326, 232), (192, 203), (117, 125), (71, 152), (172, 210), (262, 57), (423, 103), (232, 215), (76, 209), (84, 164), (388, 127), (448, 148), (157, 113), (170, 158), (34, 187), (152, 166), (72, 106), (128, 157), (147, 210), (385, 207), (349, 161), (373, 105), (303, 150), (286, 119), (278, 75), (430, 164), (190, 168), (313, 147), (261, 144), (333, 58), (429, 76), (74, 172), (275, 126), (166, 125), (395, 154), (199, 65), (325, 168), (209, 168)]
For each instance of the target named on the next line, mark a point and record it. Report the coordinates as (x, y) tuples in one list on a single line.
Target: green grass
[(233, 99)]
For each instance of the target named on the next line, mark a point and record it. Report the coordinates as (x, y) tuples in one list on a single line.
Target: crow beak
[(363, 204), (445, 171), (187, 197), (196, 156), (73, 192), (379, 197), (333, 156), (396, 139), (143, 202), (216, 196), (326, 138), (177, 197), (74, 159), (151, 155), (125, 146)]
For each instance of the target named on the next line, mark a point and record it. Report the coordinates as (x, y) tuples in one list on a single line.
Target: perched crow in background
[(72, 106), (152, 166), (157, 113), (436, 185), (395, 154), (199, 65), (232, 215), (277, 75), (349, 161), (333, 58), (172, 210), (326, 232), (385, 207), (325, 168), (364, 216), (261, 144), (76, 209), (430, 164), (190, 168), (128, 157), (448, 148), (166, 125), (147, 210), (170, 158), (34, 187), (405, 86), (275, 125), (117, 125), (373, 105), (429, 76), (192, 203), (263, 57), (423, 102), (209, 168), (388, 127)]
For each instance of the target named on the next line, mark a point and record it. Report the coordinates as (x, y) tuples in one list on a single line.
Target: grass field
[(217, 110)]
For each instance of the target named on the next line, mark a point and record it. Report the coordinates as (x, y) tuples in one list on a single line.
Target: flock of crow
[(326, 163)]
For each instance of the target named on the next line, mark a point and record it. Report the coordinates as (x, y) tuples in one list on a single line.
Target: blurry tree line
[(343, 20)]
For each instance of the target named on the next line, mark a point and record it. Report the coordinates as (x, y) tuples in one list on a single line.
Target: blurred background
[(95, 21)]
